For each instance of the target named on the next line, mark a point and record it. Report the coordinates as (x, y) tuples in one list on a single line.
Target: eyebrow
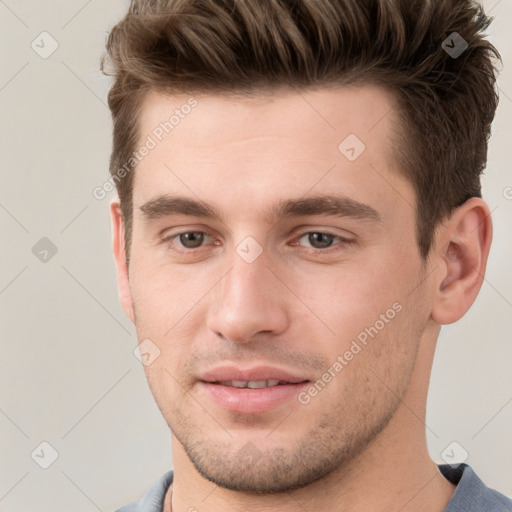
[(333, 205)]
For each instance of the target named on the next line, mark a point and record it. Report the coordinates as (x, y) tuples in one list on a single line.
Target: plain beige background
[(68, 374)]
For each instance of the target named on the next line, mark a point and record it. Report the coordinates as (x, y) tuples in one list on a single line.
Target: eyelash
[(343, 242)]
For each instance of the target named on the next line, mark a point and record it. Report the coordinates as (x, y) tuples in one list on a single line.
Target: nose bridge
[(245, 282), (246, 301)]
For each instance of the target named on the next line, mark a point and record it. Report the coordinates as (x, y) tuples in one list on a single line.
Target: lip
[(224, 373), (247, 400)]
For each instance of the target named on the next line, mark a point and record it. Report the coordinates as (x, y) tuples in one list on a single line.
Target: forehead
[(273, 146), (365, 110)]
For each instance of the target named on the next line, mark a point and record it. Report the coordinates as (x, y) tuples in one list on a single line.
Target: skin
[(360, 443)]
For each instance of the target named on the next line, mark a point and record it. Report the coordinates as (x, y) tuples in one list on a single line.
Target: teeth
[(252, 384), (255, 384), (237, 383)]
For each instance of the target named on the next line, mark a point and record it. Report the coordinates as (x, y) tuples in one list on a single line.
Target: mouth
[(251, 391), (253, 384)]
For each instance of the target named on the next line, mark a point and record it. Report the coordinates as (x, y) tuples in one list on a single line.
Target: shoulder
[(471, 494), (153, 500)]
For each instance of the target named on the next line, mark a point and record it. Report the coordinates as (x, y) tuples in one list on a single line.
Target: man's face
[(270, 283)]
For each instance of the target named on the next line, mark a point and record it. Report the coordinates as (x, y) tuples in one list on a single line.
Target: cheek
[(168, 310), (348, 298), (169, 393), (164, 294), (372, 317)]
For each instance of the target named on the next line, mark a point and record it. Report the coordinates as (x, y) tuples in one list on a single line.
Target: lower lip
[(247, 400)]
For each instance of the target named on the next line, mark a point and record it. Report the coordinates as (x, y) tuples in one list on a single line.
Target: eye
[(192, 239), (188, 239), (318, 240)]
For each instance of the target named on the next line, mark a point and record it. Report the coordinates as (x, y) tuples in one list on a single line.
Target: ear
[(118, 249), (462, 248)]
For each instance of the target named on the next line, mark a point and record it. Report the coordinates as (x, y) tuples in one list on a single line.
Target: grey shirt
[(471, 494)]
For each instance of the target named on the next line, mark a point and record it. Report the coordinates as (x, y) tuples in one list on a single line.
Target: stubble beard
[(327, 448)]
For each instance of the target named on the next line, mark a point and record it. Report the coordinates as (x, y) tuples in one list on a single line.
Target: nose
[(248, 301)]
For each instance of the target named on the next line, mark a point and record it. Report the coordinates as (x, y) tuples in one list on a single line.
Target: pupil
[(191, 240), (320, 240)]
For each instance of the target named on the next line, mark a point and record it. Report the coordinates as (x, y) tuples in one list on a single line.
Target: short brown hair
[(446, 103)]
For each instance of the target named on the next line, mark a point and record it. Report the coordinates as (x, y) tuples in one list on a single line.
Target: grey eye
[(320, 240), (192, 239)]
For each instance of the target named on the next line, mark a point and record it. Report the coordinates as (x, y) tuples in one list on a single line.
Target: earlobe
[(118, 249), (463, 244)]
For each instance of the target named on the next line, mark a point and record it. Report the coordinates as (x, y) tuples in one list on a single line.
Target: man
[(299, 212)]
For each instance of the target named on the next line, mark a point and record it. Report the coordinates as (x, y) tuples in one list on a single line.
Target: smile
[(253, 384)]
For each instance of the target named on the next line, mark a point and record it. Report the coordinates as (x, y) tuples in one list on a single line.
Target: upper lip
[(257, 373)]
